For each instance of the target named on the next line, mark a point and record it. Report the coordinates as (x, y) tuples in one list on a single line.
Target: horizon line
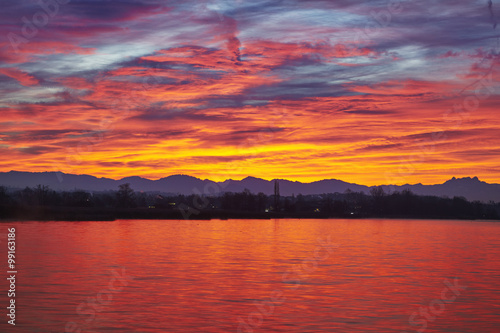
[(228, 179)]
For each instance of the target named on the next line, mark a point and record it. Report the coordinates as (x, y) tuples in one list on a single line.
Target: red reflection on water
[(221, 276)]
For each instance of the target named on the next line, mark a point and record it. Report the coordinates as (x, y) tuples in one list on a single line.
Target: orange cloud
[(220, 97)]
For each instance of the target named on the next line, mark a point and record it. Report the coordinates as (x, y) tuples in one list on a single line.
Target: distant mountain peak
[(131, 177), (474, 179), (179, 176), (252, 178)]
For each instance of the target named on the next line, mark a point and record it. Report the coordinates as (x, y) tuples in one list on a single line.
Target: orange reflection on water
[(258, 275)]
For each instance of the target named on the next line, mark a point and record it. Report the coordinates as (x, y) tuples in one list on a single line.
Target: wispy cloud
[(297, 89)]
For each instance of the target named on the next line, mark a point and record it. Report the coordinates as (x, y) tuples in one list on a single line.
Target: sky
[(371, 92)]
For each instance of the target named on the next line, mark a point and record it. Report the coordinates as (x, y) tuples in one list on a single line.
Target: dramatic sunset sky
[(373, 92)]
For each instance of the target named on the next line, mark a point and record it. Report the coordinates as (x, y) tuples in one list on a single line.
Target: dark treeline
[(42, 203)]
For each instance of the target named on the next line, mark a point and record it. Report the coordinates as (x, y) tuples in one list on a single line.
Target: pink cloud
[(22, 77)]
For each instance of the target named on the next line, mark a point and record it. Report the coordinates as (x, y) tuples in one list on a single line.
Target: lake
[(256, 276)]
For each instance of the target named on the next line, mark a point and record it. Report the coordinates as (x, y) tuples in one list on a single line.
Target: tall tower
[(276, 195)]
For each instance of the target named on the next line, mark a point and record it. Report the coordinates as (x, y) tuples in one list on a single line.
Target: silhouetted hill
[(467, 187), (287, 187), (179, 184), (56, 181), (470, 188)]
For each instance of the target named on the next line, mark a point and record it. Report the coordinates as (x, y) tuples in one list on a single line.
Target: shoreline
[(68, 214)]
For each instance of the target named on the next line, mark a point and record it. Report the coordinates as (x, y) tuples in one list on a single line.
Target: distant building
[(276, 195)]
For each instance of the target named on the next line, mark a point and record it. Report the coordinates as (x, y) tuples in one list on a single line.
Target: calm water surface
[(257, 276)]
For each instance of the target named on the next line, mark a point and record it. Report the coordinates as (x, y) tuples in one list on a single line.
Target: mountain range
[(470, 188)]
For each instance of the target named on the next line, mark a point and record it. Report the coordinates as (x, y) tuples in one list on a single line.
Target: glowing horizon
[(379, 92), (221, 180)]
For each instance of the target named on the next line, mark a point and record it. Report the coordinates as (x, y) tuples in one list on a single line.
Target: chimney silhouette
[(276, 195)]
